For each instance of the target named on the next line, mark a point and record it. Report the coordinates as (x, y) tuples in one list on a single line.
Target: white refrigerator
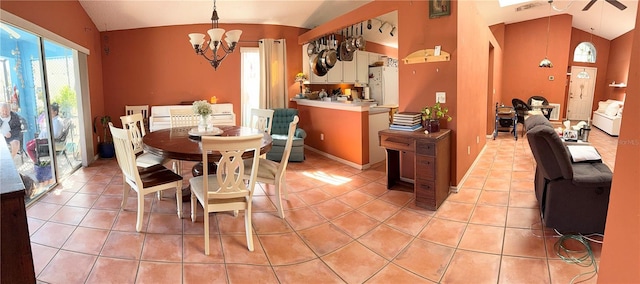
[(383, 85)]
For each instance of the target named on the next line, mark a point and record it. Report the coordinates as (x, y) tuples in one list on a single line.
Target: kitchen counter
[(338, 105)]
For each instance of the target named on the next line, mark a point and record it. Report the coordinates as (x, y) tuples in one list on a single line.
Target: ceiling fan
[(615, 3)]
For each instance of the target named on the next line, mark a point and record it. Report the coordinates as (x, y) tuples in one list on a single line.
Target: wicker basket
[(312, 95)]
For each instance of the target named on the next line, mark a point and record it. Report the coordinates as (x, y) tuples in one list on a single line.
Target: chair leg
[(247, 225), (193, 206), (206, 232), (125, 192), (278, 186), (178, 198), (140, 212)]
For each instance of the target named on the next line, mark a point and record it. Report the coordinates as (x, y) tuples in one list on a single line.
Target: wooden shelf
[(426, 55), (619, 85)]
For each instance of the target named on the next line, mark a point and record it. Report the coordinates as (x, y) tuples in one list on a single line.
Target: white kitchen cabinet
[(362, 67), (349, 70), (334, 76)]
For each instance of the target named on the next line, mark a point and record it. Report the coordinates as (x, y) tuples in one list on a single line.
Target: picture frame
[(439, 8), (570, 135)]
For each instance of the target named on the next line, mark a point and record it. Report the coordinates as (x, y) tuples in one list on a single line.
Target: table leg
[(196, 171)]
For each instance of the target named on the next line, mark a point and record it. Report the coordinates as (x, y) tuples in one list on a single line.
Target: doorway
[(581, 90)]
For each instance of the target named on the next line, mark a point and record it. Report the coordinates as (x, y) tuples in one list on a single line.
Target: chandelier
[(215, 41)]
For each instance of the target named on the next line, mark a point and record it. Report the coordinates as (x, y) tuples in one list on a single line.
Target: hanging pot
[(331, 56), (360, 42), (350, 42), (311, 48), (317, 67)]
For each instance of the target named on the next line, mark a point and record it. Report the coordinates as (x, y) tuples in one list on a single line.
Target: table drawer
[(426, 148), (425, 167), (397, 143)]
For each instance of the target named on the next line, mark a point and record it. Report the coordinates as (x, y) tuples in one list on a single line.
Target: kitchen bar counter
[(338, 105), (344, 131)]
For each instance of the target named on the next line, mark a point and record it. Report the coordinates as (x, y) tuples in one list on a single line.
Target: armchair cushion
[(279, 132)]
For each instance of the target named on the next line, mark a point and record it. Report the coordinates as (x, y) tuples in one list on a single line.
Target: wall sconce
[(393, 31)]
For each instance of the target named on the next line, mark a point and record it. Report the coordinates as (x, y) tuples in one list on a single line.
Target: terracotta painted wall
[(69, 20), (157, 66), (602, 62), (524, 47), (472, 87), (619, 62), (620, 256), (346, 133)]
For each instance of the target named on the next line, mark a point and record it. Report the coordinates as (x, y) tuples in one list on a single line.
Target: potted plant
[(431, 116), (106, 149), (43, 170)]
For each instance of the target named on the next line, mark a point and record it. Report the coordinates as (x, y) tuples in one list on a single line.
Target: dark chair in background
[(59, 144), (535, 102), (573, 197), (522, 109), (282, 117)]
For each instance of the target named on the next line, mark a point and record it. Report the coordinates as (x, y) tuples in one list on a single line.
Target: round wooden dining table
[(177, 144)]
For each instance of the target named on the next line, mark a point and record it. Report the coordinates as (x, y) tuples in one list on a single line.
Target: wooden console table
[(432, 154)]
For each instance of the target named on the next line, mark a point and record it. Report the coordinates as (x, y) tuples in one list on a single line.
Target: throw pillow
[(612, 109), (602, 106), (535, 102)]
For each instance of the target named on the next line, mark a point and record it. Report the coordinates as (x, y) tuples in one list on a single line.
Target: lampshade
[(546, 63), (196, 39), (233, 35), (216, 34)]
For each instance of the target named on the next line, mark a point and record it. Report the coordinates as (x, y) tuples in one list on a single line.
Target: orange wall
[(472, 87), (524, 47), (619, 61), (620, 256), (602, 59), (69, 20), (346, 133), (157, 66)]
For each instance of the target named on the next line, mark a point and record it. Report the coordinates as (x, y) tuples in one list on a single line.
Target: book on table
[(405, 127)]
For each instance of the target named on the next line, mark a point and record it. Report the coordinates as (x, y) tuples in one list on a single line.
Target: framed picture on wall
[(439, 8)]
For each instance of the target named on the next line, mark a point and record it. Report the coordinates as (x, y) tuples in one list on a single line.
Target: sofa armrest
[(300, 133)]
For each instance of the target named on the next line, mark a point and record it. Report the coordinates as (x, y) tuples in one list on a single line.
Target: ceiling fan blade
[(617, 4), (589, 5)]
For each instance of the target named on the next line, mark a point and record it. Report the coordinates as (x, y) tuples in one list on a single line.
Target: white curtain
[(273, 82)]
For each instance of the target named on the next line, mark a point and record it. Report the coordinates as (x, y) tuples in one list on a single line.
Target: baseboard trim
[(456, 188), (338, 159)]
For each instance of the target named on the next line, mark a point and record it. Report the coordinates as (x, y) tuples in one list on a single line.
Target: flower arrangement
[(301, 77), (435, 112), (202, 108)]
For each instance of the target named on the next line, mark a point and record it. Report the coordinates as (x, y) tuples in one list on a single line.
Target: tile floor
[(342, 225)]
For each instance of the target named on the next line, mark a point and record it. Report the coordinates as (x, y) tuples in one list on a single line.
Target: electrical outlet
[(468, 150), (441, 97), (477, 139), (321, 136)]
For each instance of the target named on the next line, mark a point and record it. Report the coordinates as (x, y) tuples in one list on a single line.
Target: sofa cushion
[(612, 109), (602, 106), (281, 140)]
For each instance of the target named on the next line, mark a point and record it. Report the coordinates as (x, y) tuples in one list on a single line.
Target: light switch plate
[(441, 97)]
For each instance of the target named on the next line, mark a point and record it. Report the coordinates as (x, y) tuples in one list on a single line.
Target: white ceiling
[(131, 14)]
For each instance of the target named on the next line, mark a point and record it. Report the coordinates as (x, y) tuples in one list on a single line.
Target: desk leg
[(393, 167)]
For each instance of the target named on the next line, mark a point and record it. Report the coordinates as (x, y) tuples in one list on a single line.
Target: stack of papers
[(406, 121)]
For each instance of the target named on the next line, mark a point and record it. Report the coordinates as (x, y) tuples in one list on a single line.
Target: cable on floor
[(583, 257)]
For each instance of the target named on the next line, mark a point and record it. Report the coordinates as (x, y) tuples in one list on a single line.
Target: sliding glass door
[(39, 89)]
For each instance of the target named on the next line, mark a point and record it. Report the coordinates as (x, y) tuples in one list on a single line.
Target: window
[(585, 52), (250, 82)]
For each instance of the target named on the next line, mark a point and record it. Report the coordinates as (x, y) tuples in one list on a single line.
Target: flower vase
[(432, 125), (202, 126)]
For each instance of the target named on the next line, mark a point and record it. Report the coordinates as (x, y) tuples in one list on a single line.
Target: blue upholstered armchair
[(279, 131)]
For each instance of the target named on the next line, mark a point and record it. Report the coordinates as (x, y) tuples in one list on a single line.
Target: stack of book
[(406, 121)]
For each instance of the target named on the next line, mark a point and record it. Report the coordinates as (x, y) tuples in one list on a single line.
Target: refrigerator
[(383, 85)]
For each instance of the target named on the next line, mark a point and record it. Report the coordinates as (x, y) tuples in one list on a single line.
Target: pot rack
[(426, 55)]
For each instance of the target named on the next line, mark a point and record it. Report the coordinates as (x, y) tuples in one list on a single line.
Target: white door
[(581, 89)]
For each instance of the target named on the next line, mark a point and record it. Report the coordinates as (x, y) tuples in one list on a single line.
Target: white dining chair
[(262, 119), (272, 172), (142, 110), (226, 190), (142, 180), (183, 117)]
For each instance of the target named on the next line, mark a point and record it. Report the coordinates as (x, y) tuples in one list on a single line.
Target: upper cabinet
[(344, 72)]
